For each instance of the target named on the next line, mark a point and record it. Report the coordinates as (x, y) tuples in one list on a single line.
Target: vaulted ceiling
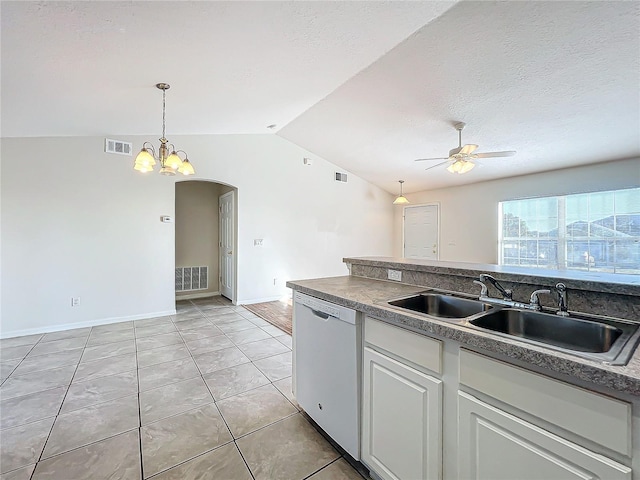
[(369, 86)]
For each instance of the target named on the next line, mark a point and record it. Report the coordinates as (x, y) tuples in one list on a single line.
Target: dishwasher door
[(327, 340)]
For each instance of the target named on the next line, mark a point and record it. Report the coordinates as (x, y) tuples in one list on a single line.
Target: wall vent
[(117, 146), (341, 177), (192, 278)]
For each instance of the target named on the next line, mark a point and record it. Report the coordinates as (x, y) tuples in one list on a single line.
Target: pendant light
[(401, 199), (170, 163)]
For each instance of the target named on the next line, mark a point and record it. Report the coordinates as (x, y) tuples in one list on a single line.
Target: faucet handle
[(534, 301), (485, 290)]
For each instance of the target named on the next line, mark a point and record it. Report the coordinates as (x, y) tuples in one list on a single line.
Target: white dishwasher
[(326, 364)]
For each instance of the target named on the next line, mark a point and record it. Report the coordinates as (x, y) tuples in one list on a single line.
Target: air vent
[(117, 146), (192, 278), (341, 177)]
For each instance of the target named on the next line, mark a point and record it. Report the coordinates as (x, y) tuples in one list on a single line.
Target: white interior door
[(227, 241), (421, 232)]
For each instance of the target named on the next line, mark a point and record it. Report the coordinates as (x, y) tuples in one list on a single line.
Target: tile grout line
[(135, 338)]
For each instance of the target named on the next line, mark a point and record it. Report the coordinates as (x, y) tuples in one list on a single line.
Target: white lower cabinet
[(402, 420), (495, 445)]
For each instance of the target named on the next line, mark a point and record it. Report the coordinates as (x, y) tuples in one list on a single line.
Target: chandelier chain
[(164, 93)]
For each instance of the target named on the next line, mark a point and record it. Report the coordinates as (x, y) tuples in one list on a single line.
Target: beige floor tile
[(38, 363), (100, 338), (96, 352), (173, 440), (273, 330), (290, 449), (23, 473), (338, 470), (105, 366), (249, 411), (19, 385), (226, 319), (10, 353), (286, 340), (166, 373), (113, 458), (22, 445), (20, 341), (260, 322), (236, 326), (58, 346), (76, 332), (112, 327), (149, 322), (249, 335), (224, 463), (29, 408), (91, 424), (7, 368), (99, 390), (285, 387), (276, 367), (155, 356), (209, 344), (263, 349), (173, 399), (234, 380), (157, 341), (200, 333), (212, 361), (157, 329), (190, 324)]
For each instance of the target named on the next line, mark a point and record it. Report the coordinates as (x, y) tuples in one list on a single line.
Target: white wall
[(469, 213), (79, 222)]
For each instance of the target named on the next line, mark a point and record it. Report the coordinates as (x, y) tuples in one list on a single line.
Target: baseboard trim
[(88, 323), (259, 300), (191, 296)]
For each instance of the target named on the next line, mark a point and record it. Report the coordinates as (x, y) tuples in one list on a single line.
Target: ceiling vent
[(341, 177), (117, 146)]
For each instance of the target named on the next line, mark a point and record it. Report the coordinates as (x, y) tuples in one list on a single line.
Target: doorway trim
[(432, 204), (234, 244)]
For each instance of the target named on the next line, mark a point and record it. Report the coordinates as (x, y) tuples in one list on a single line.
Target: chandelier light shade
[(401, 199), (168, 157)]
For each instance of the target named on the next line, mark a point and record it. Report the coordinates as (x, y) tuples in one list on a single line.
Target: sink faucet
[(561, 290), (506, 293), (534, 301)]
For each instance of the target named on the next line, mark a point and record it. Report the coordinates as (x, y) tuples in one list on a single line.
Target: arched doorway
[(200, 263)]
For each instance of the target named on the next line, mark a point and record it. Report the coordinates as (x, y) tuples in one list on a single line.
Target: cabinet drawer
[(603, 420), (418, 349)]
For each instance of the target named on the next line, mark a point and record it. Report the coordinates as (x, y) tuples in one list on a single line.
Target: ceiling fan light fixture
[(401, 199)]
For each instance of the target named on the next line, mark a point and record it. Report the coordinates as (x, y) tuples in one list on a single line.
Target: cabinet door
[(495, 445), (402, 420)]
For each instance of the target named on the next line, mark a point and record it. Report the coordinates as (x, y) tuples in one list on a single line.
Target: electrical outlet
[(75, 301), (257, 242), (394, 275)]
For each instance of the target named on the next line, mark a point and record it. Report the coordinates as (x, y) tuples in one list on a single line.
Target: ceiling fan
[(461, 158)]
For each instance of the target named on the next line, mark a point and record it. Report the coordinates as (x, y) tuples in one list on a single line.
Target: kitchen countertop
[(370, 296)]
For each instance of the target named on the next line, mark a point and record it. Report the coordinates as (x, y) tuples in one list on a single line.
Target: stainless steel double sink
[(602, 339)]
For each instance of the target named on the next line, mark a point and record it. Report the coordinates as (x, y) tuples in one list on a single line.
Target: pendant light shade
[(401, 199), (170, 163)]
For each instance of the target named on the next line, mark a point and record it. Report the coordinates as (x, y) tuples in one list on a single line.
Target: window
[(597, 231)]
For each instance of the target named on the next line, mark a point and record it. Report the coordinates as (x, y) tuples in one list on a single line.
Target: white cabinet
[(402, 419), (495, 445)]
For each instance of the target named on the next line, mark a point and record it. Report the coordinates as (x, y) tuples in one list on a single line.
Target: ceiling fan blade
[(494, 154), (468, 149), (427, 159), (437, 164)]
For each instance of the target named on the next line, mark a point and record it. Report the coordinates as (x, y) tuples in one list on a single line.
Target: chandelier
[(170, 163)]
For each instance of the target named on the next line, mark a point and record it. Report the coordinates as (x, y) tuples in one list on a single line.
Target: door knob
[(230, 252)]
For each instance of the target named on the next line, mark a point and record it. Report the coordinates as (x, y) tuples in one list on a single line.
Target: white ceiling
[(369, 86)]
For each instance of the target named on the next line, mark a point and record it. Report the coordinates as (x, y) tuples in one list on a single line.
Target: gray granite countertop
[(370, 296), (581, 280)]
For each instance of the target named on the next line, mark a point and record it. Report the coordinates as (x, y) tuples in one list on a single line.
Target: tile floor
[(204, 394)]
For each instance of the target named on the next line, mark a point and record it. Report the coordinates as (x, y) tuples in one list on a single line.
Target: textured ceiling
[(369, 86)]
